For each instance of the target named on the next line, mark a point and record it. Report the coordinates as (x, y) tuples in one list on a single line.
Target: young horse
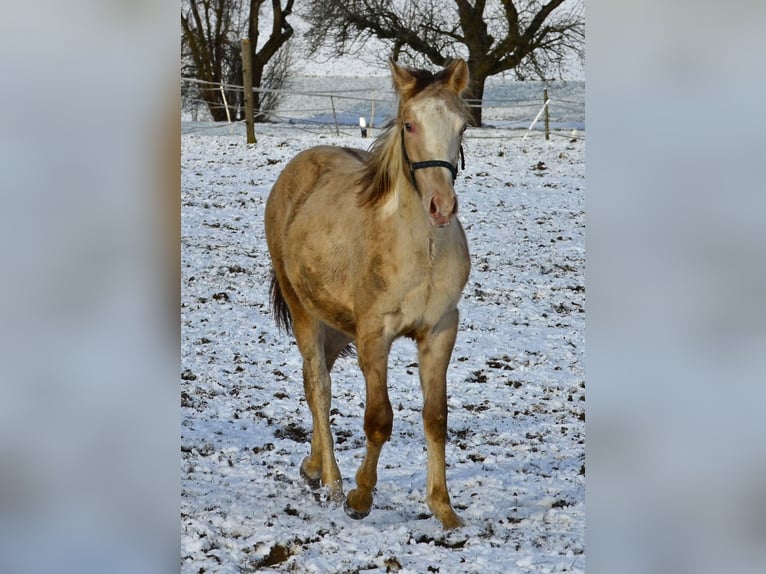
[(366, 248)]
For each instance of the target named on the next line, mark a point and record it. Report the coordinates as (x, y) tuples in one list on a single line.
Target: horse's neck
[(409, 209), (409, 222), (403, 214)]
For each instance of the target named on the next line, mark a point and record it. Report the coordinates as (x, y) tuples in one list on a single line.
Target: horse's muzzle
[(441, 210)]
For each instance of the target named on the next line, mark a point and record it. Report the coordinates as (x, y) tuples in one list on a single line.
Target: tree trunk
[(475, 93)]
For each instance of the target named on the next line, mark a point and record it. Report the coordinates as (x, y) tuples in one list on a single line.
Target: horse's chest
[(435, 288)]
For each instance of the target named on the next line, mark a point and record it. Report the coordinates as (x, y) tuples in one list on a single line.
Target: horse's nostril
[(434, 208)]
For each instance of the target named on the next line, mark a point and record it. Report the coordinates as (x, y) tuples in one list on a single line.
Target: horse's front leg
[(372, 350), (434, 351)]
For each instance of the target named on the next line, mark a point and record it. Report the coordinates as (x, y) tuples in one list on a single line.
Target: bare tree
[(272, 56), (532, 38), (211, 49), (208, 40)]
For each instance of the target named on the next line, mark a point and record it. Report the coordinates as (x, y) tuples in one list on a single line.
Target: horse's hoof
[(357, 498), (355, 514), (444, 513), (335, 493), (314, 482), (452, 522)]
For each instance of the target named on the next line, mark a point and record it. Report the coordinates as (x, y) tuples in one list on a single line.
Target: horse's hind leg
[(434, 351), (321, 465)]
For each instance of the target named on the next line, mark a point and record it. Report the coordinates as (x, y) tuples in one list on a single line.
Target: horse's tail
[(279, 309)]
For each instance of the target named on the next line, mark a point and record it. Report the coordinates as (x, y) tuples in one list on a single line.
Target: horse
[(366, 247)]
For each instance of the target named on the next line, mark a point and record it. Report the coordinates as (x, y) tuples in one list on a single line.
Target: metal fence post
[(334, 115)]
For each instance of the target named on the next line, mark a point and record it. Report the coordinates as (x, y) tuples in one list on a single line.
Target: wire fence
[(307, 103)]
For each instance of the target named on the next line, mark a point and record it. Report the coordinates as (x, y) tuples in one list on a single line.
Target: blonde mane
[(383, 167)]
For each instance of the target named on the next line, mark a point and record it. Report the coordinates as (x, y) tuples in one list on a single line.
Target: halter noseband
[(431, 163)]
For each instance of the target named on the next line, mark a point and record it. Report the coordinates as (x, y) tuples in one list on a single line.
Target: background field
[(516, 382)]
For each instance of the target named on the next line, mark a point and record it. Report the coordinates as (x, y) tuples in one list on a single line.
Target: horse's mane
[(386, 161)]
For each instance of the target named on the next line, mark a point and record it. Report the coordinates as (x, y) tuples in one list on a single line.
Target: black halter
[(431, 163)]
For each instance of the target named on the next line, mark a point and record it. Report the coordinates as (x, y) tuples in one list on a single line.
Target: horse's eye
[(462, 130), (408, 126)]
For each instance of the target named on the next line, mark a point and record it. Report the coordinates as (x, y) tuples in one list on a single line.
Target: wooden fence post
[(247, 80), (547, 115)]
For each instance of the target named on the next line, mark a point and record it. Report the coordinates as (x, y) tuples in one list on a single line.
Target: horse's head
[(432, 119)]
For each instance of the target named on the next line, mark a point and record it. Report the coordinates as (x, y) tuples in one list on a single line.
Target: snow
[(515, 449)]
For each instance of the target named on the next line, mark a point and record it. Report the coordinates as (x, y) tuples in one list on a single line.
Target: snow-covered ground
[(515, 449)]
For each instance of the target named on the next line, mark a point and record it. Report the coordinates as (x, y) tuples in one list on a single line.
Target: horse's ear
[(457, 76), (404, 80)]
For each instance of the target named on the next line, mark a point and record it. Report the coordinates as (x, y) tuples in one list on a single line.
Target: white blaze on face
[(435, 135), (438, 130)]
